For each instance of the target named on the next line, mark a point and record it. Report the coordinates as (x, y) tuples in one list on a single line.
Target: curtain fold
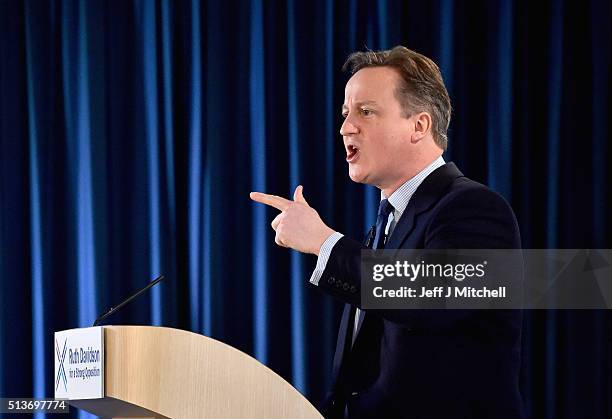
[(131, 133)]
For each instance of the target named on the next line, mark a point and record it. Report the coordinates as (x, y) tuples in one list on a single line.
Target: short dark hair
[(421, 87)]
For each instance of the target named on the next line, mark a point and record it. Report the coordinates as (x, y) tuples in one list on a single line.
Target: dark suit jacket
[(429, 363)]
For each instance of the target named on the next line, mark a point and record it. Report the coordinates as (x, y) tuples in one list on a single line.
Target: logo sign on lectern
[(79, 363)]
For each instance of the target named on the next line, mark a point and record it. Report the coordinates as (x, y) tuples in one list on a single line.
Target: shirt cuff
[(324, 254)]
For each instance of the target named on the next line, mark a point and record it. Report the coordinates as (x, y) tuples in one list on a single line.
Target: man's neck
[(415, 170)]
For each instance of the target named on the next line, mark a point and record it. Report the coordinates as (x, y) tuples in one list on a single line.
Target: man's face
[(376, 136)]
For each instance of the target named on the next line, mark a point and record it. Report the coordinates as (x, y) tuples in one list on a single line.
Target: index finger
[(275, 201)]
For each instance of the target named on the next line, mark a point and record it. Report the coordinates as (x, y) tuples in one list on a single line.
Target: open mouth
[(352, 153)]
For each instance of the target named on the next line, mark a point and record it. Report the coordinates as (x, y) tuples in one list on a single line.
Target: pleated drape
[(131, 133)]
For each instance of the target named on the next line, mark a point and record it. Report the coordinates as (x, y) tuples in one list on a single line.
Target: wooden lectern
[(159, 372)]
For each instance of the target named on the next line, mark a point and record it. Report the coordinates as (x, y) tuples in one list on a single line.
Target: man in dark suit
[(409, 363)]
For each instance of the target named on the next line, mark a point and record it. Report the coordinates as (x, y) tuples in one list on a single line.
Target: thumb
[(298, 195)]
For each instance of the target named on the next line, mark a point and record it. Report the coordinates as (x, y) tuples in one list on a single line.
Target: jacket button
[(345, 287), (331, 280), (353, 289), (338, 284)]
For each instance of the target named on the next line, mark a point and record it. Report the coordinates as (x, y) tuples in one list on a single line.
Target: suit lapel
[(347, 323), (427, 194), (344, 338)]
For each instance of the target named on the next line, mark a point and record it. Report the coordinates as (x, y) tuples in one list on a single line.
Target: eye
[(366, 112)]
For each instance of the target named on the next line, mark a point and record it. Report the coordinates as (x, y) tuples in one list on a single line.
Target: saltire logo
[(61, 372)]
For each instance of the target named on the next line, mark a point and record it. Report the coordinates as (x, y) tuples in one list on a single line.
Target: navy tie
[(384, 209)]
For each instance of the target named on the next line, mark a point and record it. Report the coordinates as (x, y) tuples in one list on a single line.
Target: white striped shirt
[(399, 199)]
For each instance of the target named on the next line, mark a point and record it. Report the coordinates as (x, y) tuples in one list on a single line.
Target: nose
[(348, 127)]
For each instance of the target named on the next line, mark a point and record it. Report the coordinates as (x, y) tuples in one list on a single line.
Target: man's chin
[(357, 177)]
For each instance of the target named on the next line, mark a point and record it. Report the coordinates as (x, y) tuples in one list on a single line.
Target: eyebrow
[(365, 102)]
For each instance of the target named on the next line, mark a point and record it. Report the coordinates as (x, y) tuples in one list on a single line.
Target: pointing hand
[(298, 226)]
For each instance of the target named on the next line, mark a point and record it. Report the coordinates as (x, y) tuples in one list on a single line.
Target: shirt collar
[(400, 198)]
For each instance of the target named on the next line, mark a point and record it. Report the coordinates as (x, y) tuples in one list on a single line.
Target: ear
[(422, 126)]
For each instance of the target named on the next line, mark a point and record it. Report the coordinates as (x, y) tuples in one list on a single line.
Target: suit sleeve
[(475, 219)]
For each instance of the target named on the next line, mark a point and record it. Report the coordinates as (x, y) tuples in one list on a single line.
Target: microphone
[(127, 300)]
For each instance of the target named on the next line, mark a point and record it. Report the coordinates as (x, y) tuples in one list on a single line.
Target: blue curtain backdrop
[(131, 133)]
